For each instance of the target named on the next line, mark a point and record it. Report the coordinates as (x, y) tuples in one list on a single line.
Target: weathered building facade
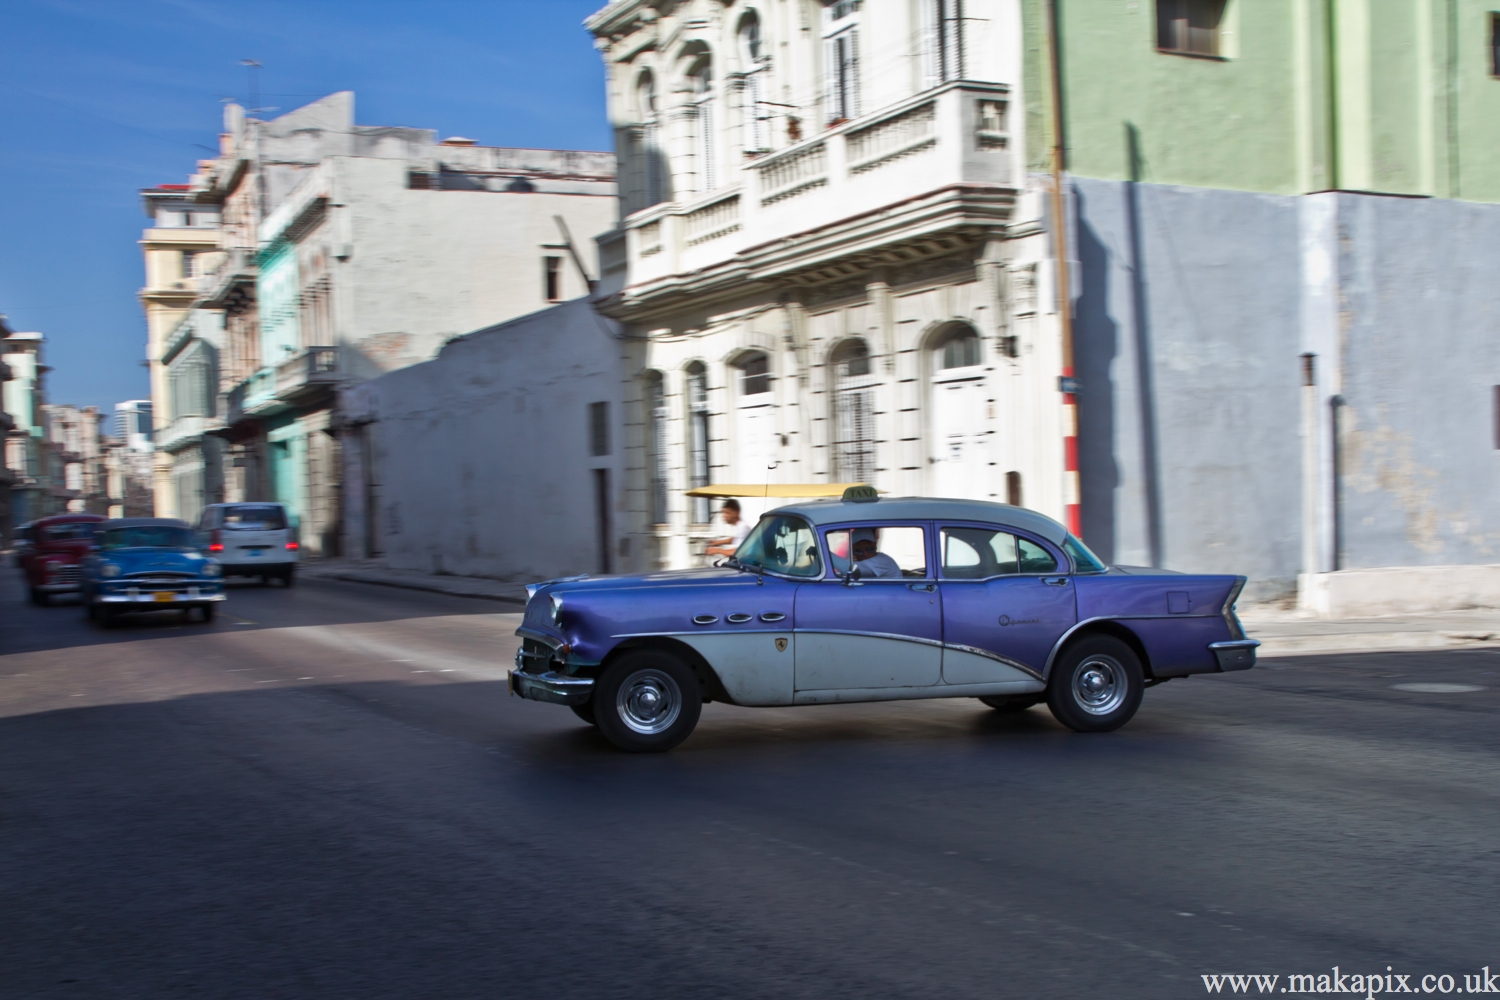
[(351, 251), (180, 247), (1283, 214), (830, 255)]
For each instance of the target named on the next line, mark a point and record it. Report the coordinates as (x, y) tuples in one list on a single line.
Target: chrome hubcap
[(649, 701), (1099, 685)]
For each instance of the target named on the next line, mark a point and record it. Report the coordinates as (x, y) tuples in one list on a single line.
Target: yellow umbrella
[(785, 490)]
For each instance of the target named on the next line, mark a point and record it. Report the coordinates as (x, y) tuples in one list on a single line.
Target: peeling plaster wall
[(482, 457), (1420, 473), (1194, 307)]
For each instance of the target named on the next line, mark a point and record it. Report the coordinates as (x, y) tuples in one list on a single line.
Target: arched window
[(753, 110), (653, 160), (959, 349), (958, 422), (698, 439), (853, 392), (701, 79), (755, 375), (656, 406)]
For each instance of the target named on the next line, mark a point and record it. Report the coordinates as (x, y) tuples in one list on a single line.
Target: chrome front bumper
[(59, 588), (149, 597), (553, 687), (1236, 654)]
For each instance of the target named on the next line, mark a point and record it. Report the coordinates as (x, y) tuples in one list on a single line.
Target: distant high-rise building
[(132, 424)]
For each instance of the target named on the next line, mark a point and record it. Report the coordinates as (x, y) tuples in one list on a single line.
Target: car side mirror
[(850, 577)]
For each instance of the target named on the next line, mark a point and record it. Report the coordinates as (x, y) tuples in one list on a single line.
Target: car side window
[(980, 553), (876, 552), (781, 545)]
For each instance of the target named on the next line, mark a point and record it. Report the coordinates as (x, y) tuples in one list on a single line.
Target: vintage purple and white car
[(846, 600)]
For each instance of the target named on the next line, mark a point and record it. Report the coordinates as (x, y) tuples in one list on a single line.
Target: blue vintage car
[(846, 600), (148, 564)]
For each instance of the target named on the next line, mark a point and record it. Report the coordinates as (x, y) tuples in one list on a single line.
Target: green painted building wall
[(1390, 96)]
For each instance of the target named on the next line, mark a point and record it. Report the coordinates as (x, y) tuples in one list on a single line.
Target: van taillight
[(292, 546), (216, 541)]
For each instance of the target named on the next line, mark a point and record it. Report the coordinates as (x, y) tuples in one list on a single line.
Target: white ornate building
[(829, 253)]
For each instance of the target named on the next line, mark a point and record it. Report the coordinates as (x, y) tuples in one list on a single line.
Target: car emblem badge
[(780, 645)]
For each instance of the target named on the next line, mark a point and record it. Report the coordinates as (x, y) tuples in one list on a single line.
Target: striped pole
[(1067, 384)]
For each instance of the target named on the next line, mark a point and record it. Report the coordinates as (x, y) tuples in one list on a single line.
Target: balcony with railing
[(852, 176), (300, 379), (236, 267)]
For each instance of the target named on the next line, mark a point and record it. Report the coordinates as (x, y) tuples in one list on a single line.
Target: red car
[(52, 551)]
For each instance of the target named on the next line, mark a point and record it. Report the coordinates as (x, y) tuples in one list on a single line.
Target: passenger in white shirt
[(738, 529), (871, 563)]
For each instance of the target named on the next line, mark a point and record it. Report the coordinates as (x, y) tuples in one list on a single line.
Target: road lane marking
[(1438, 688)]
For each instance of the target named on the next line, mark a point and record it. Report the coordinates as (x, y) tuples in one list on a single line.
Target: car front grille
[(158, 577), (64, 574)]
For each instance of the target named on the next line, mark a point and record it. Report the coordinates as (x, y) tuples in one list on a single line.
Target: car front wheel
[(647, 701), (1096, 685)]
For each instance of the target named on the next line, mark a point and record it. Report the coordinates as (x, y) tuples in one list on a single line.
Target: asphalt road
[(328, 793)]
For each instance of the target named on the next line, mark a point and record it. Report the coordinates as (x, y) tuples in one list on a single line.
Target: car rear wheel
[(289, 577), (1011, 704), (1096, 685), (647, 701), (206, 611)]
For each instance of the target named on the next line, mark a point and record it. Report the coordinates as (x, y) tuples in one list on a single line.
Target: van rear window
[(254, 518)]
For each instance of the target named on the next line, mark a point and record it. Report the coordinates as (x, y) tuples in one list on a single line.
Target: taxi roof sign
[(861, 494)]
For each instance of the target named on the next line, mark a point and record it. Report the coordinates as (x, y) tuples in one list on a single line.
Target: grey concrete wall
[(482, 460), (1419, 470), (428, 265), (1194, 308), (1187, 344)]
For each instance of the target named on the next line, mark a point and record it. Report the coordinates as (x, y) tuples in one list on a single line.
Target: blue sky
[(100, 98)]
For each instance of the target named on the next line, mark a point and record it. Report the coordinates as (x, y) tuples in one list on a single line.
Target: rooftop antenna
[(253, 71)]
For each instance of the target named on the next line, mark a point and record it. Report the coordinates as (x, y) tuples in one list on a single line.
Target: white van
[(251, 539)]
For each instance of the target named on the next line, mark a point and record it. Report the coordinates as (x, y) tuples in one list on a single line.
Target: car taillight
[(291, 545), (216, 541)]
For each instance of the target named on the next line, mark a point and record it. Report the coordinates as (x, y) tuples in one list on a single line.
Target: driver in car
[(871, 563)]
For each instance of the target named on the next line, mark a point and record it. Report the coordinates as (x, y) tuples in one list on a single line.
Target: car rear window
[(68, 532), (266, 517)]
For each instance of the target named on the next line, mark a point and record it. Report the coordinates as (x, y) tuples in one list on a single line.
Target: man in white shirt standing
[(738, 529)]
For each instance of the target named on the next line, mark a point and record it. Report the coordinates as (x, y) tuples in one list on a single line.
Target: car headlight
[(212, 568), (109, 571), (556, 608)]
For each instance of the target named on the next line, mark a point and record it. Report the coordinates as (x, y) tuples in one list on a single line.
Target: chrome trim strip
[(772, 616), (739, 618), (1235, 644), (1058, 645), (552, 687), (705, 619), (993, 656), (542, 637)]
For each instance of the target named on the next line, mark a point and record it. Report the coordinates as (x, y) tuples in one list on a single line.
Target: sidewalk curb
[(1373, 642), (417, 585)]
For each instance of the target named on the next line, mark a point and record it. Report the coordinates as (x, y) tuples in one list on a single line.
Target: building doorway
[(958, 424)]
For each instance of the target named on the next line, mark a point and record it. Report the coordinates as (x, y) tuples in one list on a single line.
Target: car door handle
[(1055, 581), (922, 588)]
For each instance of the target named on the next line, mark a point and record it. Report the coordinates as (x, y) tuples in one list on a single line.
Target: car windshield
[(1083, 559), (148, 537), (265, 517), (781, 545)]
